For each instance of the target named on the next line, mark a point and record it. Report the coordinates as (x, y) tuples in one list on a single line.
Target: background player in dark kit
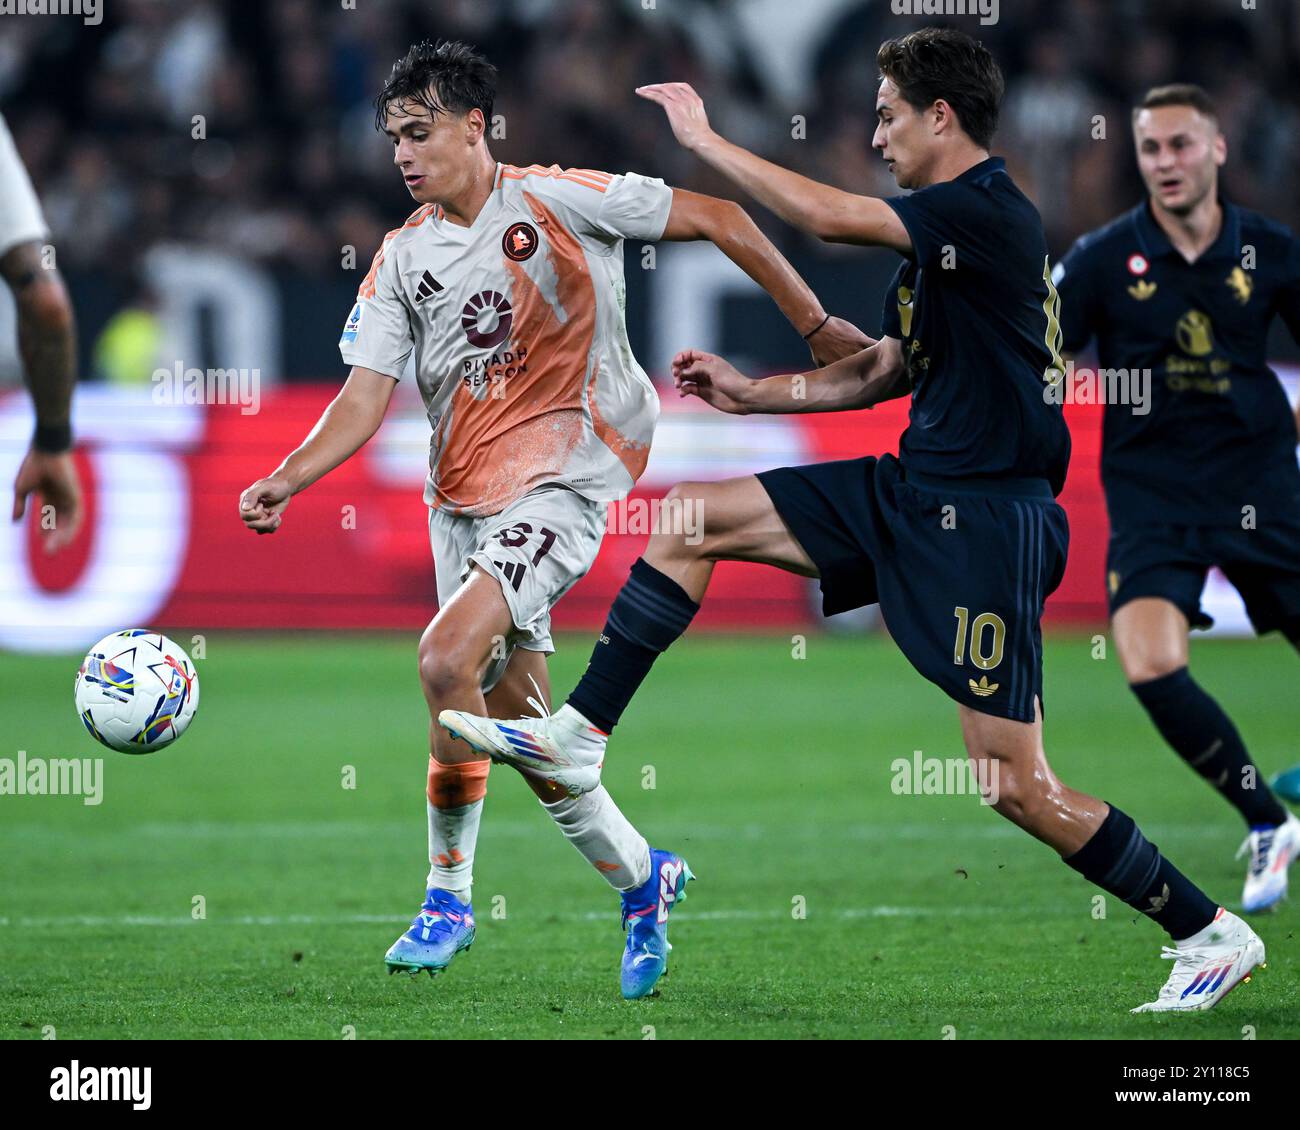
[(1204, 472)]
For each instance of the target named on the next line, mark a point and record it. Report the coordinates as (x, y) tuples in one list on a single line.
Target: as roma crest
[(520, 241)]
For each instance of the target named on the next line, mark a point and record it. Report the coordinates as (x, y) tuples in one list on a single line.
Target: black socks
[(1204, 736), (1122, 861), (651, 611)]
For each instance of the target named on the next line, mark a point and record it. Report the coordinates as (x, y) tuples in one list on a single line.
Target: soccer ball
[(136, 691)]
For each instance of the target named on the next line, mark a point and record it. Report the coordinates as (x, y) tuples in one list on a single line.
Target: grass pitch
[(826, 904)]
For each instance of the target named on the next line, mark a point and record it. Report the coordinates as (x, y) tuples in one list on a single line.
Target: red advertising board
[(163, 544)]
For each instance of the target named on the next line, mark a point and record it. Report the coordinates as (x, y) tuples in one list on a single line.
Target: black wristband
[(816, 327), (52, 439)]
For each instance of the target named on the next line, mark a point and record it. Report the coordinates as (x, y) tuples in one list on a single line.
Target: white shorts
[(21, 220), (537, 548)]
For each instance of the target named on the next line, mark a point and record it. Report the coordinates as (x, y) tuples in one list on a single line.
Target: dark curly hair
[(941, 62), (446, 77)]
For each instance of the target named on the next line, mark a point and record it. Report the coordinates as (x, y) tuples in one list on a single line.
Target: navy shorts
[(959, 567), (1262, 564)]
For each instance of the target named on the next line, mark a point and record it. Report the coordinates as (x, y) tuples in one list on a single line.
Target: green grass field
[(772, 775)]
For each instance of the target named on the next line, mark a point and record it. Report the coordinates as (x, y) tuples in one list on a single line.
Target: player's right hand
[(685, 110), (714, 380), (262, 505), (53, 479)]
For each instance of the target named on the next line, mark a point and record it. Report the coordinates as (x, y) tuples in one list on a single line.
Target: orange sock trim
[(454, 786)]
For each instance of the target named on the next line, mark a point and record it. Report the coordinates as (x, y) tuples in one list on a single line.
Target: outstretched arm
[(863, 380), (351, 419), (727, 225), (828, 213)]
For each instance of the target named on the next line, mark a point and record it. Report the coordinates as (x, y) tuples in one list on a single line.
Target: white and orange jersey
[(517, 328)]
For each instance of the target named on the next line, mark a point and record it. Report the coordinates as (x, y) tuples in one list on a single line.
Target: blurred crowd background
[(290, 169)]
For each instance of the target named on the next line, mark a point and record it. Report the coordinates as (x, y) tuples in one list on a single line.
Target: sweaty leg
[(1151, 637), (700, 524), (1096, 839), (455, 651), (592, 822)]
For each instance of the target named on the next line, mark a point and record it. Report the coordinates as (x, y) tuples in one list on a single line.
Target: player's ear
[(941, 115), (1220, 148), (475, 126)]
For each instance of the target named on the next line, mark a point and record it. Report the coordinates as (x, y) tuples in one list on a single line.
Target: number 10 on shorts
[(985, 661)]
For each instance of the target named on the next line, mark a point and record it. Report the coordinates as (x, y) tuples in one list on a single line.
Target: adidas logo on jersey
[(428, 287)]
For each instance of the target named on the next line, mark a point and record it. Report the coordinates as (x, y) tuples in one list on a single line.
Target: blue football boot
[(443, 928), (645, 918)]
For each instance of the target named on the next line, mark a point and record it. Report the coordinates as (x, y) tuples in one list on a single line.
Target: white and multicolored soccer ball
[(136, 691)]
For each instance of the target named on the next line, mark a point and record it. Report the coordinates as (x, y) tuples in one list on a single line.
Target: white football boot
[(562, 747), (1272, 851), (1208, 966)]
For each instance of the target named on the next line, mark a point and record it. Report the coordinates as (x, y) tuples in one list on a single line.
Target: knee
[(448, 664), (1142, 665), (679, 529), (1151, 638)]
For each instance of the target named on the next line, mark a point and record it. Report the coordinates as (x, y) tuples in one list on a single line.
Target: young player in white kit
[(506, 287)]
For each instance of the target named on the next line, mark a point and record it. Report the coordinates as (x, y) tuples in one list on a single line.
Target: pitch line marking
[(735, 915)]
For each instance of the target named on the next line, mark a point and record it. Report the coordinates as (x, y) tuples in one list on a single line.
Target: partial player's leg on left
[(1213, 950)]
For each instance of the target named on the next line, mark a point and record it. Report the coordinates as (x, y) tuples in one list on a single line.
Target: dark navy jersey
[(1217, 433), (974, 307)]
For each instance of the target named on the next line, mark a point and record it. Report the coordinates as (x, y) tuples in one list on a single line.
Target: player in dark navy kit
[(1202, 472), (959, 539)]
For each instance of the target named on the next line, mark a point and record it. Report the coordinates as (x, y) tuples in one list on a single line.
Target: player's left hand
[(53, 478), (836, 340), (685, 110), (714, 380)]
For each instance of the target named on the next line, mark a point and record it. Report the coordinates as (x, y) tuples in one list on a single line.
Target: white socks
[(594, 825), (584, 740), (591, 822), (453, 832)]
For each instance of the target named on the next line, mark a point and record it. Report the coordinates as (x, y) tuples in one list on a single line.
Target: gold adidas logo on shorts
[(983, 688)]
